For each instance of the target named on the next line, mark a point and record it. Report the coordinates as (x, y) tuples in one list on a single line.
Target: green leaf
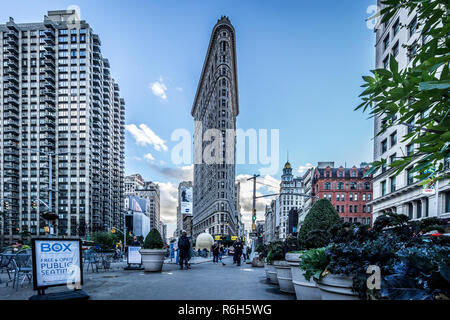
[(432, 85)]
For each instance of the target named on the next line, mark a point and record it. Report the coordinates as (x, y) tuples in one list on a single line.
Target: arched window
[(353, 186), (367, 185), (340, 185), (327, 186)]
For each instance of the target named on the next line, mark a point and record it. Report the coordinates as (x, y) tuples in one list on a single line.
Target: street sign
[(429, 191), (56, 262), (253, 234), (134, 256)]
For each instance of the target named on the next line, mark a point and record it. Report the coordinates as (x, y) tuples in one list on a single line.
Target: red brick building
[(347, 189)]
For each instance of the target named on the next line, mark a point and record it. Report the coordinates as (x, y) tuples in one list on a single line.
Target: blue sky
[(299, 70)]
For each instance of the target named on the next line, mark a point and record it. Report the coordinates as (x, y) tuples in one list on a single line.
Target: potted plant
[(283, 269), (258, 260), (314, 233), (272, 272), (153, 252)]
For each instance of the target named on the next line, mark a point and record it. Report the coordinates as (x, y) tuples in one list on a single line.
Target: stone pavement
[(205, 281)]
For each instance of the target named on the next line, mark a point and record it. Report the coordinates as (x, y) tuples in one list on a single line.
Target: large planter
[(152, 259), (257, 263), (337, 287), (266, 268), (272, 274), (304, 290), (284, 276)]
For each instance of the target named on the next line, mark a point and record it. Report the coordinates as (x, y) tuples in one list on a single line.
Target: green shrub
[(106, 240), (153, 240), (276, 252), (314, 262), (320, 219)]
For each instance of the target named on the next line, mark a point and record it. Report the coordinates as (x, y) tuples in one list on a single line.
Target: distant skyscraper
[(216, 107), (151, 191), (59, 106)]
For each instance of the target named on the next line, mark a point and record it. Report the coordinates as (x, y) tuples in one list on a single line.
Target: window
[(412, 52), (396, 27), (383, 188), (395, 50), (419, 209), (367, 185), (364, 197), (327, 186), (353, 173), (447, 202), (340, 186), (343, 197), (409, 149), (356, 197), (369, 197), (353, 186), (384, 146), (386, 42), (393, 183), (410, 210), (413, 26), (356, 210), (409, 176), (386, 63), (351, 196), (393, 138), (350, 209), (343, 209), (337, 196)]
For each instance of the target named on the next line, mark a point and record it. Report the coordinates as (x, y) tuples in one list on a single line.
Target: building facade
[(215, 109), (346, 188), (402, 194), (269, 225), (62, 129), (290, 189), (133, 183), (151, 191)]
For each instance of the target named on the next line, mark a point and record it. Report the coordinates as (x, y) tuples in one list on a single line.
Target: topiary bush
[(153, 240), (320, 219)]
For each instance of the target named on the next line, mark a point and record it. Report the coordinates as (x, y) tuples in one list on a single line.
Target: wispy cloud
[(145, 136), (184, 173), (149, 156), (302, 169), (159, 88)]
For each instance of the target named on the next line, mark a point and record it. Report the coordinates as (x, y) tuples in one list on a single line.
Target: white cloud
[(302, 169), (149, 156), (168, 202), (145, 136), (137, 158), (159, 88)]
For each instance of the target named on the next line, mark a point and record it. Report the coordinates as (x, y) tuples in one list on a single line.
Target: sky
[(299, 67)]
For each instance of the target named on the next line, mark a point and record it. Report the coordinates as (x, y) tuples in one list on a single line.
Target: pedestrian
[(183, 247), (244, 251), (215, 252), (221, 253), (238, 251), (135, 242)]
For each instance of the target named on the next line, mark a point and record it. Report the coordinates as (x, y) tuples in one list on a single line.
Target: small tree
[(153, 240), (320, 219)]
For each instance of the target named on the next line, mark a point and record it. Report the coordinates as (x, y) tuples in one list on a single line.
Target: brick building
[(347, 189)]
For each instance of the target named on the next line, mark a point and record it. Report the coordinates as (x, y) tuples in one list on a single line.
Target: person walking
[(244, 251), (135, 242), (221, 253), (183, 247), (215, 252), (238, 251)]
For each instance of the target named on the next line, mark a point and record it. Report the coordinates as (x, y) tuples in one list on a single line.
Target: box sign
[(134, 256), (56, 262)]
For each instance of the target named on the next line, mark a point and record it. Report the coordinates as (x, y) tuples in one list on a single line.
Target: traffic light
[(33, 204), (113, 230), (254, 217), (6, 205)]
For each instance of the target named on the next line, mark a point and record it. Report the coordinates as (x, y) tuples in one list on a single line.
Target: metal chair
[(6, 265), (22, 263), (91, 259)]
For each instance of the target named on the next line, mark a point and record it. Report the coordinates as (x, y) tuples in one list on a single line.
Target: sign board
[(233, 238), (218, 238), (253, 234), (186, 200), (429, 191), (134, 256), (56, 262)]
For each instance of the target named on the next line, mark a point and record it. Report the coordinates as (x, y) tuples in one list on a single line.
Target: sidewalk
[(194, 260)]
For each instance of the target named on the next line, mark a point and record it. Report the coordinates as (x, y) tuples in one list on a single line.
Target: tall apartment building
[(348, 190), (62, 128), (269, 225), (184, 204), (401, 194), (216, 107), (151, 191), (133, 183), (290, 188)]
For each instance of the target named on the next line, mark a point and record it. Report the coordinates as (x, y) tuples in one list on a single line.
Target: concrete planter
[(272, 274), (337, 287), (152, 259), (304, 290), (284, 276), (266, 268), (257, 263)]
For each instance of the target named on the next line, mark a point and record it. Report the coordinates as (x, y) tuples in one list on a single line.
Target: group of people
[(240, 250)]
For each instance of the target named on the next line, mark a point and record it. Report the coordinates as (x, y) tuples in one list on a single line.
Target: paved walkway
[(205, 281)]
